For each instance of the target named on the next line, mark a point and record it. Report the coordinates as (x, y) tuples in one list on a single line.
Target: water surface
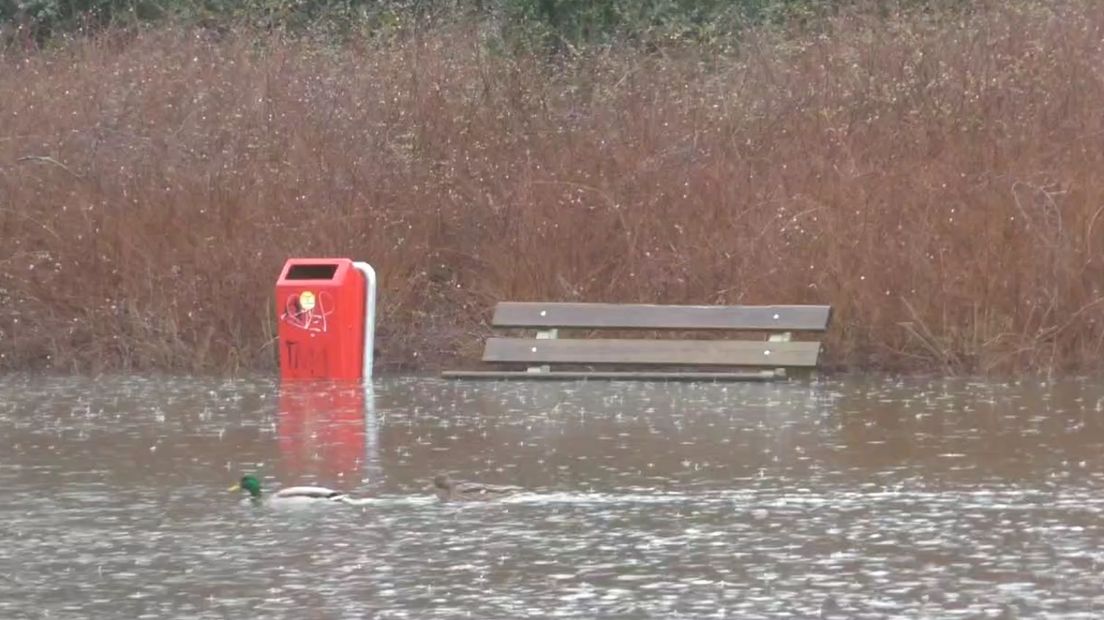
[(854, 498)]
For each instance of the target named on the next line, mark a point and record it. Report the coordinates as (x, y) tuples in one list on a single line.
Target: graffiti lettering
[(292, 354), (312, 316)]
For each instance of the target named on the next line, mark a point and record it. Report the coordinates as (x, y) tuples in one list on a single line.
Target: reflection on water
[(849, 499), (327, 433)]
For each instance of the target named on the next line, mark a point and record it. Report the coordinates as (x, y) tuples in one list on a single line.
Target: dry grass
[(937, 181)]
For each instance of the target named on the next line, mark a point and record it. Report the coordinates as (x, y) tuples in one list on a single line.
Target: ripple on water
[(863, 498)]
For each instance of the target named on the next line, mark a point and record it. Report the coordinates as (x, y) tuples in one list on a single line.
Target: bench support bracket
[(544, 334)]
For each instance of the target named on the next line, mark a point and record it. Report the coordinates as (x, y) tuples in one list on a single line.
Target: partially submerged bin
[(325, 310)]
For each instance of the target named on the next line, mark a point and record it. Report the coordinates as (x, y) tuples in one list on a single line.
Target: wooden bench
[(757, 359)]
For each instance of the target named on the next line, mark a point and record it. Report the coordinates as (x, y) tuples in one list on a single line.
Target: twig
[(919, 330), (45, 159)]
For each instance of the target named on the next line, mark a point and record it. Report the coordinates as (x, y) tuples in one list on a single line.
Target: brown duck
[(449, 490)]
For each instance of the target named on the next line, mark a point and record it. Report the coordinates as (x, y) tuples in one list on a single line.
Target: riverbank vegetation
[(934, 174)]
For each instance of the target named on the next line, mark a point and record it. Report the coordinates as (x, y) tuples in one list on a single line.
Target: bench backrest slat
[(646, 316), (659, 352)]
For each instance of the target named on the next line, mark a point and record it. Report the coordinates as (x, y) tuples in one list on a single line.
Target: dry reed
[(936, 180)]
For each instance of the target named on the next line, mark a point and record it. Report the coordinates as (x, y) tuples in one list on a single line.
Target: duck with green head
[(252, 485)]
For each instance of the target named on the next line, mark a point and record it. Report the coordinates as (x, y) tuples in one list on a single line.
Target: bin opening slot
[(311, 272)]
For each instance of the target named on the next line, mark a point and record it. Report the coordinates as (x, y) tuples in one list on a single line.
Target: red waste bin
[(320, 311)]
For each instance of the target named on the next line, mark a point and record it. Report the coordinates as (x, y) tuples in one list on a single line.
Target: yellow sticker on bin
[(306, 300)]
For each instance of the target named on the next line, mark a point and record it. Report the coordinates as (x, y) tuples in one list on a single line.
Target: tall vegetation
[(936, 179), (548, 23)]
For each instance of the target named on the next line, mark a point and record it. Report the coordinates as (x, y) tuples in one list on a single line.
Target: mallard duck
[(448, 490), (252, 485)]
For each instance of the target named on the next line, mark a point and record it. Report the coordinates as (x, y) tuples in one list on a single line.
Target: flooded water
[(845, 499)]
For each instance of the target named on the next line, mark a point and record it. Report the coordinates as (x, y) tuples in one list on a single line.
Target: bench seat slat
[(762, 375), (648, 316), (639, 351)]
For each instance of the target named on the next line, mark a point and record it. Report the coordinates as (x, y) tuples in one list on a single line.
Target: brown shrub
[(937, 180)]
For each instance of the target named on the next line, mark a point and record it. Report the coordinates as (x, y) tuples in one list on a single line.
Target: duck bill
[(236, 487)]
